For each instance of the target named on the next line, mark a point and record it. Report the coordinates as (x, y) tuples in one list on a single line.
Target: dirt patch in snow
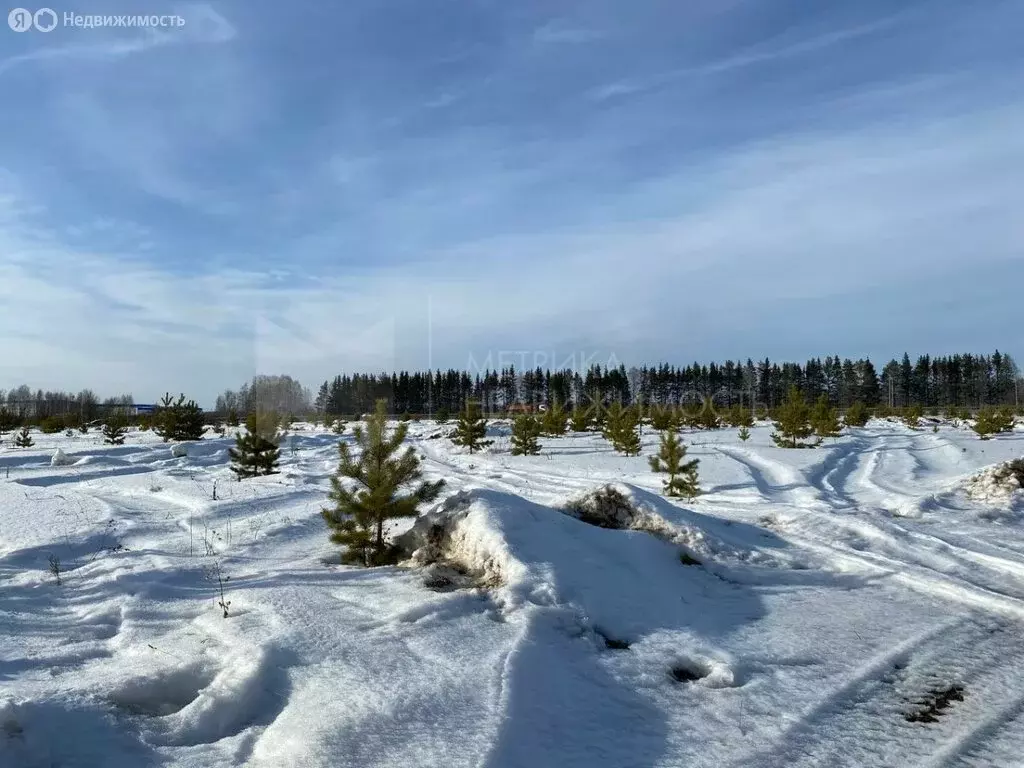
[(452, 555), (934, 704), (616, 507)]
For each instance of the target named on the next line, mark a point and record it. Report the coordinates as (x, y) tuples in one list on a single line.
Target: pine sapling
[(579, 419), (366, 492), (912, 416), (824, 419), (258, 451), (738, 416), (682, 476), (471, 428), (793, 422), (744, 434), (115, 430), (24, 438), (526, 428), (663, 417), (621, 429), (992, 421), (553, 423), (856, 415)]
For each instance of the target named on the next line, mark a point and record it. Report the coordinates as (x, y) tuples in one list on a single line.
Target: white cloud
[(830, 212)]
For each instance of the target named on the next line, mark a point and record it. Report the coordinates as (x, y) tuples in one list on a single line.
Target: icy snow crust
[(794, 615)]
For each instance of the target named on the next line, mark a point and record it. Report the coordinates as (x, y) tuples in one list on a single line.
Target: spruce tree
[(553, 422), (115, 430), (621, 429), (258, 451), (24, 438), (824, 419), (682, 477), (471, 428), (357, 518), (793, 422), (442, 415), (856, 415), (526, 428), (744, 434)]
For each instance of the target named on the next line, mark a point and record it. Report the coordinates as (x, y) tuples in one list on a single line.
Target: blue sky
[(317, 187)]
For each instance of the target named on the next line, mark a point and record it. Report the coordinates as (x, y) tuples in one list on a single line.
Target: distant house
[(518, 408)]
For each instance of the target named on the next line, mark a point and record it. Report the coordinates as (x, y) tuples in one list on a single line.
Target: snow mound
[(61, 459), (999, 485), (179, 450), (460, 534), (531, 553), (625, 507)]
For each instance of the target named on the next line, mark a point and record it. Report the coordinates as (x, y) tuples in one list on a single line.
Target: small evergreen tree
[(357, 518), (856, 415), (442, 415), (51, 425), (115, 430), (258, 451), (991, 421), (24, 438), (597, 413), (526, 428), (553, 422), (793, 422), (682, 477), (824, 419), (663, 417), (338, 426), (471, 428), (911, 416), (621, 429), (738, 416), (179, 420), (744, 434), (579, 419), (8, 421), (232, 419), (707, 416)]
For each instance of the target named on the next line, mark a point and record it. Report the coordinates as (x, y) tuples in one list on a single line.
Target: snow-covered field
[(838, 592)]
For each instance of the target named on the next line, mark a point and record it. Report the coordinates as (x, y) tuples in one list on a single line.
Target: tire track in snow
[(864, 540), (863, 721)]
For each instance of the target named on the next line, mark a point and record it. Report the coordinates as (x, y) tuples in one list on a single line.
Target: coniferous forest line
[(961, 381), (965, 381)]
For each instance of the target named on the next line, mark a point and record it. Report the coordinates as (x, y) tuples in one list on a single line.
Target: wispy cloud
[(203, 25), (316, 201)]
